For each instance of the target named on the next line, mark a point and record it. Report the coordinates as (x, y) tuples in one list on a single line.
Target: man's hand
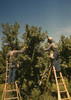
[(25, 47), (17, 65)]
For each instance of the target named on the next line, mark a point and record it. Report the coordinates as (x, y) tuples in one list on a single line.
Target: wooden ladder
[(63, 93), (10, 92), (61, 84)]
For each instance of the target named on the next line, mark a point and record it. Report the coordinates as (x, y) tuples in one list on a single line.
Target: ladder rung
[(57, 70), (7, 76), (11, 98), (61, 83), (11, 90), (6, 83), (58, 77), (63, 91), (65, 99), (7, 69)]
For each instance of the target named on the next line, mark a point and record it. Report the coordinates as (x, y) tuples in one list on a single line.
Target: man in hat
[(53, 53)]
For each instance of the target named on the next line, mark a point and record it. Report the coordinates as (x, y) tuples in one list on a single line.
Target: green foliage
[(64, 47), (10, 34), (33, 62), (47, 97)]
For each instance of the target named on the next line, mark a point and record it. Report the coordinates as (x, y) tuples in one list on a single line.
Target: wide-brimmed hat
[(50, 38)]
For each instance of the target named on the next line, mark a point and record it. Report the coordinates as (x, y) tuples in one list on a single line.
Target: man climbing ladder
[(11, 91), (57, 73), (53, 54)]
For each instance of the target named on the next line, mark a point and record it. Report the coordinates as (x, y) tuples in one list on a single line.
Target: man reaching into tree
[(13, 63), (54, 56)]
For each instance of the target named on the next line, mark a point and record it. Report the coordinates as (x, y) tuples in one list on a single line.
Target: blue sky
[(52, 15)]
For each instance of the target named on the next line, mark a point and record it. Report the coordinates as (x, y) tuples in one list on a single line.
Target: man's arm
[(20, 51)]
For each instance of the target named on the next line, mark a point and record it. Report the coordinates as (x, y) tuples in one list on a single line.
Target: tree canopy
[(33, 62)]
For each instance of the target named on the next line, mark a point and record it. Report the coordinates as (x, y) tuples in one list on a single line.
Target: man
[(13, 63), (53, 53)]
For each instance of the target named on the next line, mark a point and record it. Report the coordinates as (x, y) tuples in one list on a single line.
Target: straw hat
[(50, 38)]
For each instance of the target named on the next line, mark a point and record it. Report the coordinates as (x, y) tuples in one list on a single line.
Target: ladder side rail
[(65, 85), (6, 70), (3, 93), (18, 91), (43, 75), (59, 97), (47, 79), (5, 79), (4, 90)]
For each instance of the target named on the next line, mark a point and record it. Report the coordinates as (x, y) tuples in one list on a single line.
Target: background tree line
[(33, 62)]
